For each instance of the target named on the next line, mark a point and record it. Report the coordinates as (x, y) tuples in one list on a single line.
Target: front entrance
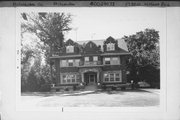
[(90, 78)]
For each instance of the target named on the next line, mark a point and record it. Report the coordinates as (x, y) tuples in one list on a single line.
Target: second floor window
[(95, 58), (115, 61), (76, 62), (107, 61), (86, 59), (112, 61), (63, 63), (70, 62), (70, 49), (110, 47)]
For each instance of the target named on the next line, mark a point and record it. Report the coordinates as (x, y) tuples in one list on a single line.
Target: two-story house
[(90, 63)]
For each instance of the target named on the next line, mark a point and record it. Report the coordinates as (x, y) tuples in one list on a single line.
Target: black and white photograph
[(89, 60), (91, 57)]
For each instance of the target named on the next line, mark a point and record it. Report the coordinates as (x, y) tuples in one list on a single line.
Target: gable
[(91, 48)]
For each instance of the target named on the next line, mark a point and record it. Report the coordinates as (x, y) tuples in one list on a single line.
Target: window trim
[(107, 61), (70, 49), (114, 76), (71, 79), (112, 61), (96, 58), (85, 59), (110, 46)]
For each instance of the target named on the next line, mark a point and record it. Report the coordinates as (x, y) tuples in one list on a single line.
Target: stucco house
[(91, 62)]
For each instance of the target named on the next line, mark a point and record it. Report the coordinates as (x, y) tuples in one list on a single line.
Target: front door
[(91, 79)]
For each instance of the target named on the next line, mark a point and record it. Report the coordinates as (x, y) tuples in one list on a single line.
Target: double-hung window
[(86, 59), (107, 61), (76, 62), (70, 63), (114, 61), (112, 77), (95, 58), (70, 49), (63, 63), (110, 47), (70, 78)]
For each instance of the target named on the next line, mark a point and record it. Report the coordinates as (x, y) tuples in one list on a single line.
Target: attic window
[(70, 49), (110, 47)]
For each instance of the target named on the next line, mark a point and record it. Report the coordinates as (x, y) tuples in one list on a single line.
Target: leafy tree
[(144, 47), (49, 28)]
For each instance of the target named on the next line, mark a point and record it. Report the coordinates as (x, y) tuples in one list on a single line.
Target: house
[(90, 63)]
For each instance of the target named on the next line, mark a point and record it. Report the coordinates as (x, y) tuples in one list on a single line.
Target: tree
[(49, 28), (144, 47)]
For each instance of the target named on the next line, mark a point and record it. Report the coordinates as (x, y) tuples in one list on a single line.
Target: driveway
[(128, 98)]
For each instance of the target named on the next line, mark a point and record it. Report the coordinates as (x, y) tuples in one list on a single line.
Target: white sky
[(100, 23)]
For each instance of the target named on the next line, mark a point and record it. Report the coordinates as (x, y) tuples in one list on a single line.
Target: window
[(77, 61), (95, 58), (107, 61), (70, 49), (73, 79), (64, 78), (112, 77), (115, 61), (70, 62), (86, 59), (63, 63), (70, 78), (110, 46), (117, 76), (106, 77)]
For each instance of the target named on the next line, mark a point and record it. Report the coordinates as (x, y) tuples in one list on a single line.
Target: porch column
[(82, 77), (98, 77)]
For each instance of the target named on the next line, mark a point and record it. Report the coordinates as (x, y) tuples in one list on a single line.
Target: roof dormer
[(110, 44)]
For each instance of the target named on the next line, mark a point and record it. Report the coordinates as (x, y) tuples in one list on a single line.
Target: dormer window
[(110, 47), (70, 49)]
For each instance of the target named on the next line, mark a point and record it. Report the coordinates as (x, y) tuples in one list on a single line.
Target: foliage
[(49, 30), (144, 47), (48, 27)]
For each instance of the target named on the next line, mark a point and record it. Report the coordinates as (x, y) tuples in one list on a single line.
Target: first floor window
[(73, 78), (106, 77), (117, 76), (112, 77), (70, 78), (64, 78)]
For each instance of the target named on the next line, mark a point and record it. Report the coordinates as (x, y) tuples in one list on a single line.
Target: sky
[(100, 23)]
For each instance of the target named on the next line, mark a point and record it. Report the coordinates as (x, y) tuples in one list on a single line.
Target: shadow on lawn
[(81, 93), (109, 92)]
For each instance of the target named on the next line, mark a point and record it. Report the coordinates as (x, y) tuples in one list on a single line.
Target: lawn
[(128, 98)]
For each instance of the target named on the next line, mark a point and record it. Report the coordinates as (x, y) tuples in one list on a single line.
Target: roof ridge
[(96, 40)]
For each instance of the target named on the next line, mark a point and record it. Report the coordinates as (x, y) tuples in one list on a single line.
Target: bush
[(45, 88)]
